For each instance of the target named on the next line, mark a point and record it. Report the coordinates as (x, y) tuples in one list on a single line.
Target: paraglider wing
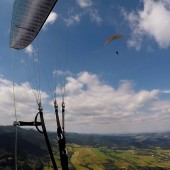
[(112, 38), (27, 20)]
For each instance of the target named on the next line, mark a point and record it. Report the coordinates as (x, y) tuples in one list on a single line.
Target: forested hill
[(33, 154), (161, 140), (25, 136)]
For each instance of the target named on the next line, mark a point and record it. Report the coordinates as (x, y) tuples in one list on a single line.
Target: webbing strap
[(47, 141), (44, 131), (61, 139)]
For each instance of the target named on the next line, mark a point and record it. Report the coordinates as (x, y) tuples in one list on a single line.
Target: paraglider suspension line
[(42, 124)]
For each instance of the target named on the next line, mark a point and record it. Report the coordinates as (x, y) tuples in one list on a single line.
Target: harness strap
[(61, 139), (42, 124)]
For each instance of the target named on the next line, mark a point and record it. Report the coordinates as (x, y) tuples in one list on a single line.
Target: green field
[(84, 158), (94, 152), (104, 158)]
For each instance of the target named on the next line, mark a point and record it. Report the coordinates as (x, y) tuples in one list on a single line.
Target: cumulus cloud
[(61, 73), (30, 50), (91, 106), (24, 101), (87, 9), (73, 19), (50, 20), (84, 3), (95, 17), (93, 103), (152, 22)]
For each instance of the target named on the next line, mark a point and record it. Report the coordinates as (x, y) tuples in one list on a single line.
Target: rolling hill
[(86, 151)]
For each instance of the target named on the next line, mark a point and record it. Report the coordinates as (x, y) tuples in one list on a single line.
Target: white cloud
[(84, 3), (61, 73), (76, 18), (24, 99), (91, 106), (95, 17), (165, 91), (73, 19), (152, 22), (87, 10), (58, 73), (30, 50), (50, 20)]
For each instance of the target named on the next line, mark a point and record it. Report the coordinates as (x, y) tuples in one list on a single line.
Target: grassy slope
[(100, 158)]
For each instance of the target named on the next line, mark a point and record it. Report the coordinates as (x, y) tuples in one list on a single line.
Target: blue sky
[(104, 92)]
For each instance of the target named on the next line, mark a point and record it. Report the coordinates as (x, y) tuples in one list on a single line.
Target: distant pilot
[(117, 52)]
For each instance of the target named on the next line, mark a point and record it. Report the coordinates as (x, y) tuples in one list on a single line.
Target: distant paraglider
[(111, 38)]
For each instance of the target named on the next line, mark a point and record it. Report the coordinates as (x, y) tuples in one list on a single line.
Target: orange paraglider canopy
[(112, 38)]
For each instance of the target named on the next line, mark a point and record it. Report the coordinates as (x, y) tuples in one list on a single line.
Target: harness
[(60, 134)]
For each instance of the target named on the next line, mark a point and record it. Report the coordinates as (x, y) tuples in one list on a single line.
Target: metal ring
[(36, 124)]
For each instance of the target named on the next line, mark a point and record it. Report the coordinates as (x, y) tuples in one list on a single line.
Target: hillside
[(137, 151)]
